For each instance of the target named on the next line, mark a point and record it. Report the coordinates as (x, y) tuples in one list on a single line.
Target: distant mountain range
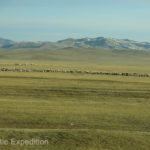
[(100, 42)]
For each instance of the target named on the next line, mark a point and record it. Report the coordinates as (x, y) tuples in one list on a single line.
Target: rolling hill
[(86, 50)]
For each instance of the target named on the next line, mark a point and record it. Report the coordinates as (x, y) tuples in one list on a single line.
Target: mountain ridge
[(99, 42)]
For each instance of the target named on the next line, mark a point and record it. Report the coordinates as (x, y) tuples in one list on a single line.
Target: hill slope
[(78, 55)]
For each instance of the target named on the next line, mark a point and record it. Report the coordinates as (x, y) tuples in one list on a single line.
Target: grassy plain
[(76, 111)]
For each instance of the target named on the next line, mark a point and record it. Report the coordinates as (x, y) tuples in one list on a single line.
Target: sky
[(53, 20)]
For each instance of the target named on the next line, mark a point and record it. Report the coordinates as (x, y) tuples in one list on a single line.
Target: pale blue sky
[(51, 20)]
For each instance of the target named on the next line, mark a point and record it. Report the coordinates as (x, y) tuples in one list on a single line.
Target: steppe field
[(75, 111), (74, 75)]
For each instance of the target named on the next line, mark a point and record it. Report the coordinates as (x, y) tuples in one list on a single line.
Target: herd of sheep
[(74, 71)]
